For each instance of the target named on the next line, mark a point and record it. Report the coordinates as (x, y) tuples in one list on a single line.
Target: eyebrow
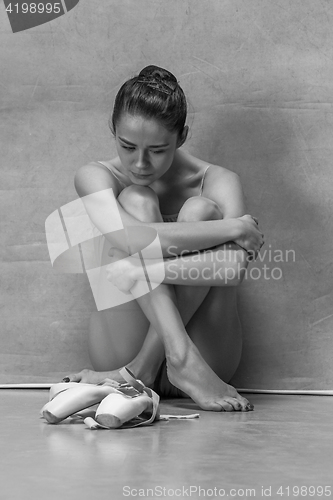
[(153, 146)]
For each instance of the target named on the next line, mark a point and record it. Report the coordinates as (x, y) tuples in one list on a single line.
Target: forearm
[(222, 266), (175, 237)]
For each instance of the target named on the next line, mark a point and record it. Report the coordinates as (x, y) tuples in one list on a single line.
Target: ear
[(183, 137)]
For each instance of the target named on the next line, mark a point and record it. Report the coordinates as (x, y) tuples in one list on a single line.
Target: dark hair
[(154, 93)]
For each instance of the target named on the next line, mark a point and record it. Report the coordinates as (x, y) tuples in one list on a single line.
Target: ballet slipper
[(55, 389), (118, 409), (132, 405), (62, 386), (108, 405), (68, 402)]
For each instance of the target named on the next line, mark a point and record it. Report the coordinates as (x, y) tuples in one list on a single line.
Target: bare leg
[(146, 361), (186, 367), (118, 336)]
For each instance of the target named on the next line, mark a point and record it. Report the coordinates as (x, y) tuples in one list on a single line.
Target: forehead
[(136, 128)]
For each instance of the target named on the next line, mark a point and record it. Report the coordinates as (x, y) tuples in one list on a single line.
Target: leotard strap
[(203, 180)]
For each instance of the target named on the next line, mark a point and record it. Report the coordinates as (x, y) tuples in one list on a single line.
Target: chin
[(143, 182)]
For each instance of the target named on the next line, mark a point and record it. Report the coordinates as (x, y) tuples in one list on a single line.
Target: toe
[(226, 405), (235, 403), (72, 377), (245, 404), (211, 406)]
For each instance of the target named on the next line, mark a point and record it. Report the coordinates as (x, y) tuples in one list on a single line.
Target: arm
[(223, 265), (180, 236), (224, 188)]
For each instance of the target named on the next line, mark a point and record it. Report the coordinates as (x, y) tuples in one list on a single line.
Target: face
[(146, 149)]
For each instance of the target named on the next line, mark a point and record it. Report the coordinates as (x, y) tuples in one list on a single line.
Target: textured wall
[(258, 75)]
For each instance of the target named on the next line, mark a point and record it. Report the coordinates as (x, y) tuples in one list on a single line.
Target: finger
[(253, 256)]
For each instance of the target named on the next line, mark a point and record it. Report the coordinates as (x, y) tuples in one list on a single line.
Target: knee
[(199, 208), (140, 201)]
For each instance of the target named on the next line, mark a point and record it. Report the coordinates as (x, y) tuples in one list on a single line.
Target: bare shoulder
[(216, 173), (94, 177)]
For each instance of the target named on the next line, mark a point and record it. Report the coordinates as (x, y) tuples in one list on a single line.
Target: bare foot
[(92, 377), (197, 379)]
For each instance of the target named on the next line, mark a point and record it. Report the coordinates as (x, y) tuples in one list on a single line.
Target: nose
[(141, 162)]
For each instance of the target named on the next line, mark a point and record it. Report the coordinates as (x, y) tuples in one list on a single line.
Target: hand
[(120, 271), (251, 238)]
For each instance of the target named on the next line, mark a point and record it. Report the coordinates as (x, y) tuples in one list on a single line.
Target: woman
[(154, 182)]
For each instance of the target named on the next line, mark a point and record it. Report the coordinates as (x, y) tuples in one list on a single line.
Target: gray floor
[(286, 441)]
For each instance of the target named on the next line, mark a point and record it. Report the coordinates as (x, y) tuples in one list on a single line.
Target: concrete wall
[(259, 78)]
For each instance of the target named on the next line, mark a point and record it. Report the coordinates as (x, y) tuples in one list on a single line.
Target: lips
[(141, 176)]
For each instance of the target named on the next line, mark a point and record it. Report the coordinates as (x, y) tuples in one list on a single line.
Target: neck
[(176, 170)]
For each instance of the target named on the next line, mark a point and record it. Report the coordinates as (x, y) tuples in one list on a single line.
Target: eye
[(128, 148), (161, 151)]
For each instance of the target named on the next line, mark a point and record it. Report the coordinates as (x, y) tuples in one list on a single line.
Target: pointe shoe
[(116, 410), (132, 405), (56, 389), (120, 405), (63, 386), (76, 398)]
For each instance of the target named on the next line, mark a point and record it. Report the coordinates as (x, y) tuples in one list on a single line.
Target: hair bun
[(158, 78), (156, 73), (154, 93)]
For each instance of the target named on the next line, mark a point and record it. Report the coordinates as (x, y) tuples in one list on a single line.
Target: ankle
[(181, 359), (176, 361)]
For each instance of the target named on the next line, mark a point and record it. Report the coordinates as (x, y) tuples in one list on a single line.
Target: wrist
[(234, 228)]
